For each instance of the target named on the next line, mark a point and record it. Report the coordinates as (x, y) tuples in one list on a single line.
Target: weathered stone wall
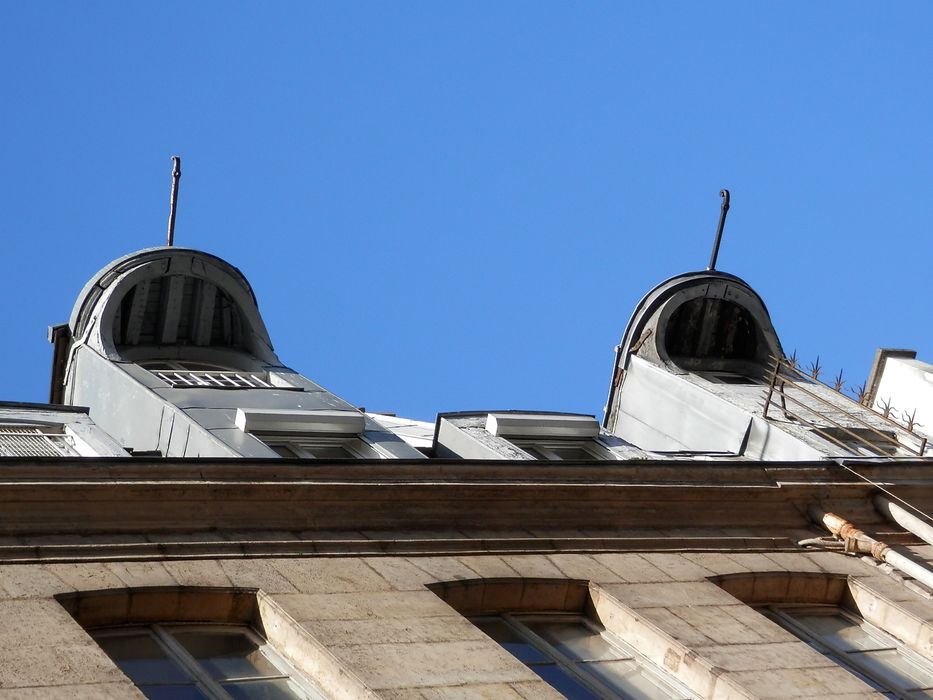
[(386, 629)]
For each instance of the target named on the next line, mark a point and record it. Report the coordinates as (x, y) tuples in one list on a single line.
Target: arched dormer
[(172, 304), (711, 324)]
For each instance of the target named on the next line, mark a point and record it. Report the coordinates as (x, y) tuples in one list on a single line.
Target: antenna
[(722, 222), (173, 203)]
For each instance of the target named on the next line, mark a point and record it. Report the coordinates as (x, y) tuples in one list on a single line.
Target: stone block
[(330, 575), (31, 581), (820, 683), (85, 577), (484, 691), (141, 573), (718, 564), (33, 622), (202, 572), (584, 567), (117, 690), (632, 568), (361, 606), (676, 593), (399, 573), (677, 566), (760, 657), (435, 664), (533, 566), (39, 665), (676, 627), (536, 690), (444, 568), (488, 566), (392, 631), (256, 573)]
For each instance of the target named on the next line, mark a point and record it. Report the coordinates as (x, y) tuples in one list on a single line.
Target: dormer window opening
[(35, 441), (318, 447), (563, 449), (178, 310), (729, 378)]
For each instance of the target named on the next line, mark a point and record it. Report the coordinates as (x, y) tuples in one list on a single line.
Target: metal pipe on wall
[(907, 520), (857, 542)]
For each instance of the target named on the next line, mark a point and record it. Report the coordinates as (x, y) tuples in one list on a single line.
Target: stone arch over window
[(252, 614), (574, 636), (879, 640)]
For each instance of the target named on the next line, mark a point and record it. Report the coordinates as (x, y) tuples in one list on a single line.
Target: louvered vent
[(178, 310), (34, 441)]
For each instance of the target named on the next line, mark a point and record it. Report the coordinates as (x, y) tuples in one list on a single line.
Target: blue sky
[(450, 206)]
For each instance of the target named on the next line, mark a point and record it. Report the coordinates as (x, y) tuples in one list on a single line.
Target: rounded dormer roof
[(169, 297), (699, 321)]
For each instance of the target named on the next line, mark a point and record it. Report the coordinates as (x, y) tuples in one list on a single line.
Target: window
[(874, 656), (202, 662), (563, 449), (578, 657), (318, 447), (35, 441)]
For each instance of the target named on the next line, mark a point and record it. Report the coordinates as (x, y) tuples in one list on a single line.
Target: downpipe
[(857, 542), (907, 520)]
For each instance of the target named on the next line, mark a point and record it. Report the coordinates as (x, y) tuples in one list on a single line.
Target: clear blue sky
[(451, 206)]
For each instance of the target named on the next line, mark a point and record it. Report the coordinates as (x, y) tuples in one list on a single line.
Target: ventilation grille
[(213, 380), (34, 441)]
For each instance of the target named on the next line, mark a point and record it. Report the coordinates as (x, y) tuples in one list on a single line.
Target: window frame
[(545, 447), (354, 445), (576, 668), (782, 615), (162, 634)]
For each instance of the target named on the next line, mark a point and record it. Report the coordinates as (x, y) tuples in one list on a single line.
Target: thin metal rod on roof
[(173, 204), (722, 222)]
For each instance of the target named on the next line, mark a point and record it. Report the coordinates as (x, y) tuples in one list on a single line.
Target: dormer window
[(563, 449), (550, 436), (317, 447), (302, 434)]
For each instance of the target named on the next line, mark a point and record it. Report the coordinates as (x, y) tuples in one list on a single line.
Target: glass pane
[(326, 451), (284, 451), (893, 667), (282, 689), (840, 632), (141, 658), (534, 452), (632, 680), (173, 692), (564, 683), (226, 654), (508, 638), (576, 640), (571, 452)]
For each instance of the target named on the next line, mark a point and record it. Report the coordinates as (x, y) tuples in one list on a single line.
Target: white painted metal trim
[(251, 420)]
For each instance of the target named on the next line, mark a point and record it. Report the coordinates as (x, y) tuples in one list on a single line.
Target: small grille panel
[(34, 441)]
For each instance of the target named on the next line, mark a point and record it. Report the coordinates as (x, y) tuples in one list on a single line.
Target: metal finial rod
[(173, 203), (722, 222)]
